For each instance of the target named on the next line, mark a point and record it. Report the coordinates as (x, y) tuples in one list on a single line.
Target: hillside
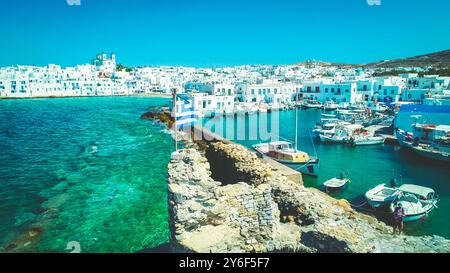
[(439, 59)]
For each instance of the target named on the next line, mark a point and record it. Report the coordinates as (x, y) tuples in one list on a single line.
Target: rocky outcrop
[(161, 116), (259, 210)]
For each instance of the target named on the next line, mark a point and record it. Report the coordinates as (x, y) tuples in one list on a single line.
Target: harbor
[(52, 205), (365, 166)]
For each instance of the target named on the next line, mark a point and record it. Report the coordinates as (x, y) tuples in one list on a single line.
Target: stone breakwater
[(249, 207)]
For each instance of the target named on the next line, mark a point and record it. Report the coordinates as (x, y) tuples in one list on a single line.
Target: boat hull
[(327, 139), (371, 142), (419, 216), (379, 204), (310, 168), (432, 155)]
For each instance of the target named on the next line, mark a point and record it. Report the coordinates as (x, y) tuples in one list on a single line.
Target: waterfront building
[(267, 92), (428, 82), (207, 104), (419, 95), (326, 92)]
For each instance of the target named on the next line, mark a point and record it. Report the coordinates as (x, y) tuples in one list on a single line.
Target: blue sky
[(220, 32)]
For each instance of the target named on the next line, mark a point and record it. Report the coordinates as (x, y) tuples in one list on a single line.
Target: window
[(346, 90), (326, 90), (332, 90)]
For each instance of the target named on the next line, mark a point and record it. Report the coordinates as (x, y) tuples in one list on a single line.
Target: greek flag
[(186, 116)]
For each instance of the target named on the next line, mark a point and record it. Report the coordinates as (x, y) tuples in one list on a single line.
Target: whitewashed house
[(327, 92)]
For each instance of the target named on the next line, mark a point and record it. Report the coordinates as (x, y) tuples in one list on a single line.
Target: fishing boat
[(359, 140), (336, 184), (416, 201), (381, 196), (328, 115), (330, 106), (342, 132), (288, 154), (439, 152), (326, 126), (332, 138), (311, 104), (284, 152), (427, 140)]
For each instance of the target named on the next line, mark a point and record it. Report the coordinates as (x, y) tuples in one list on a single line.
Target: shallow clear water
[(367, 166), (82, 169)]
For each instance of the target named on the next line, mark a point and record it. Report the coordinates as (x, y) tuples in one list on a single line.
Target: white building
[(205, 103), (324, 92), (105, 65), (267, 92)]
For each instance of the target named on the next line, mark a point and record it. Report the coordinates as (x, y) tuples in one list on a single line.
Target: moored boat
[(434, 152), (381, 196), (331, 138), (311, 104), (366, 140), (283, 152), (330, 106), (416, 201), (336, 184)]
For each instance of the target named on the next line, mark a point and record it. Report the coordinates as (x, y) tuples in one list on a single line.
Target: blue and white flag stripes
[(186, 116)]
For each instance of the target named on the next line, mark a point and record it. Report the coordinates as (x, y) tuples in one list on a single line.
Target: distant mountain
[(439, 59), (321, 63)]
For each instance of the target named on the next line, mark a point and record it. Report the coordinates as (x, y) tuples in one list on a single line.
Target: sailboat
[(287, 153)]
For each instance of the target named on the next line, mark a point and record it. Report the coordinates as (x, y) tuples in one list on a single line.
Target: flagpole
[(175, 117)]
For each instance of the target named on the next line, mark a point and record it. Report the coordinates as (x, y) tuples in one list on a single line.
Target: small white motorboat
[(328, 115), (311, 104), (330, 106), (416, 201), (332, 138), (381, 196), (324, 129), (365, 140), (336, 184)]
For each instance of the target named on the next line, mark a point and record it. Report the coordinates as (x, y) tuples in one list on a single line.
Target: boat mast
[(175, 130), (296, 118)]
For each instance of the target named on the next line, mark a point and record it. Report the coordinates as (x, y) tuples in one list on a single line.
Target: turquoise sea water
[(82, 169), (366, 166), (89, 170)]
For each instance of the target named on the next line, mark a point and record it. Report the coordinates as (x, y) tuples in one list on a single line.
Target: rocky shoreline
[(223, 198)]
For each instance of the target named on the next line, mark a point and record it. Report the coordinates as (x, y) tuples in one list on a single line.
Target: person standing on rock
[(399, 213)]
